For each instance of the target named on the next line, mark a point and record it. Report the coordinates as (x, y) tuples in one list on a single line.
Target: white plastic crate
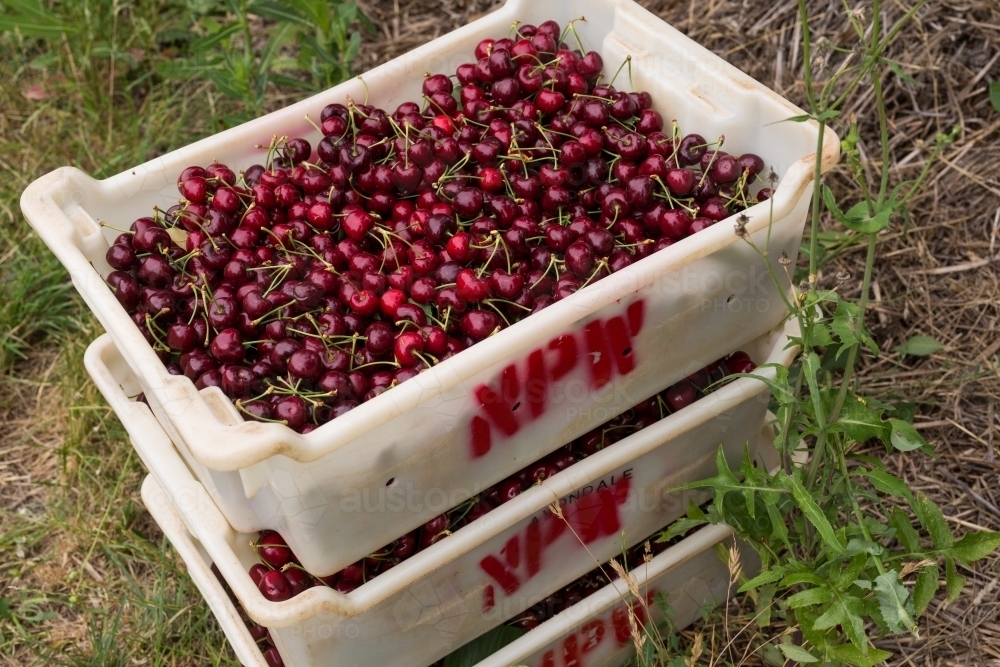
[(593, 631), (489, 570), (596, 632), (599, 351), (199, 568)]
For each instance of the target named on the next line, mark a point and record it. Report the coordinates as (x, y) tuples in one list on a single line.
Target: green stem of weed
[(818, 169), (842, 463), (852, 357)]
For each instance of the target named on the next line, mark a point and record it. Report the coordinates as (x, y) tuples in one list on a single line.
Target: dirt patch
[(939, 276)]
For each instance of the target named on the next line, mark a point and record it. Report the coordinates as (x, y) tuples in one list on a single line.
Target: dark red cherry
[(227, 346), (305, 364), (275, 586), (273, 550), (292, 410), (478, 324), (681, 395), (692, 148)]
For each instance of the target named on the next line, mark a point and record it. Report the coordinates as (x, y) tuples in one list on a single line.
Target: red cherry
[(700, 224), (406, 177), (194, 189), (550, 101), (299, 580), (257, 572), (407, 348), (405, 546), (305, 364), (580, 259), (227, 346), (680, 182), (292, 410), (715, 209), (275, 586), (437, 83), (357, 224), (751, 164), (226, 200), (459, 247), (692, 148), (491, 179), (675, 223), (541, 471), (740, 362), (272, 657), (273, 550), (390, 301), (364, 303), (509, 489), (444, 123), (681, 395), (726, 169), (470, 287), (478, 324)]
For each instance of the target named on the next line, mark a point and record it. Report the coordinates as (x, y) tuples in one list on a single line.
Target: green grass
[(86, 578)]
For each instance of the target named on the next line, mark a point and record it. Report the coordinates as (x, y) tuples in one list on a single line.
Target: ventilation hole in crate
[(730, 299), (391, 480), (626, 352), (516, 406)]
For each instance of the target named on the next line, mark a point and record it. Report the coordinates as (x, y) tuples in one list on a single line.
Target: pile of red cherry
[(321, 279)]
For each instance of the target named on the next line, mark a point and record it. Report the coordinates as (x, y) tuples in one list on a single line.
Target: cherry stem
[(239, 406), (627, 61), (603, 264), (572, 29), (120, 231), (489, 302), (311, 122), (711, 160)]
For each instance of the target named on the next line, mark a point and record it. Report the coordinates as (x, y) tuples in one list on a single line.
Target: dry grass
[(940, 277)]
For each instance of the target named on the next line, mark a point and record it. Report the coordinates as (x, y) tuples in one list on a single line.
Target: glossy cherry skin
[(275, 586), (274, 551)]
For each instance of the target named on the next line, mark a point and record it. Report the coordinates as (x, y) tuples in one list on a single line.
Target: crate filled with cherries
[(328, 274), (531, 618)]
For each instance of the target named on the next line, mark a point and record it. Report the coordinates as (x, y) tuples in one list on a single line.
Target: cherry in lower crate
[(280, 577), (260, 634), (331, 273)]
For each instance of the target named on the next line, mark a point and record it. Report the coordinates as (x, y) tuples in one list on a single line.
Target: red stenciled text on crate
[(614, 626), (519, 396), (588, 514)]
